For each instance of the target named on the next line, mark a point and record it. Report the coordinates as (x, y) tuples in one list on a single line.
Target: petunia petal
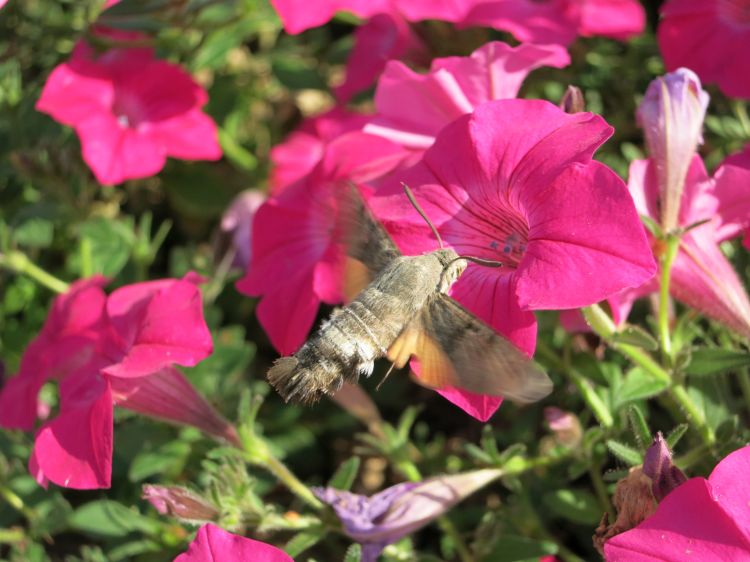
[(214, 544), (730, 488), (74, 450)]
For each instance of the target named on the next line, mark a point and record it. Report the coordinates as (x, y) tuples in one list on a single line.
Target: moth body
[(348, 343)]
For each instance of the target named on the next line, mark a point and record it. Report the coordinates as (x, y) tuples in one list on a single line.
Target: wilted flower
[(130, 112), (214, 544), (560, 21), (297, 258), (702, 519), (657, 465), (237, 221), (671, 115), (104, 351), (386, 517), (179, 502), (707, 36), (529, 195)]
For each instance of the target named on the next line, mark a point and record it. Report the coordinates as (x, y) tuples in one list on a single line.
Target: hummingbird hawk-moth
[(400, 309)]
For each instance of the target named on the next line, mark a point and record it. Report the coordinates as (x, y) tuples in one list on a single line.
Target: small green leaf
[(639, 384), (640, 428), (107, 518), (509, 548), (353, 553), (304, 540), (676, 434), (575, 505), (635, 335), (344, 477), (109, 243), (626, 454), (34, 233), (714, 361)]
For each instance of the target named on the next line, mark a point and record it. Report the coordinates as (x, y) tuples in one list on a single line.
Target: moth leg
[(393, 366)]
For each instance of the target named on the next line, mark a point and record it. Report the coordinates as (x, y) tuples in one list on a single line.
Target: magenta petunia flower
[(702, 519), (705, 36), (104, 351), (412, 108), (297, 259), (302, 149), (214, 544), (130, 112), (702, 277), (528, 194), (400, 510), (560, 21)]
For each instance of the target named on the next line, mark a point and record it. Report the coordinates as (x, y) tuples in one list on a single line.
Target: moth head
[(453, 267)]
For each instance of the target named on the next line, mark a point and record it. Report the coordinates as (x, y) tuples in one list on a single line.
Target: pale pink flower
[(130, 112), (214, 544), (180, 502), (412, 108), (671, 114), (302, 149), (237, 222), (702, 277), (297, 258), (104, 351), (706, 36), (528, 194), (701, 519), (560, 21)]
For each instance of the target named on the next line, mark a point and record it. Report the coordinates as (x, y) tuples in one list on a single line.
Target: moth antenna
[(385, 377), (422, 214)]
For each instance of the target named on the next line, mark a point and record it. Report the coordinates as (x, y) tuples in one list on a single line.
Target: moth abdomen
[(301, 381)]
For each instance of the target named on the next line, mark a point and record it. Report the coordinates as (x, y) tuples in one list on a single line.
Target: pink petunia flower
[(130, 112), (702, 277), (214, 544), (302, 149), (528, 194), (412, 108), (297, 259), (104, 351), (705, 36), (560, 21), (237, 222), (702, 519)]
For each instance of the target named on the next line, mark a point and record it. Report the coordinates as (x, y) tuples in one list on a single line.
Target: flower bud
[(658, 466), (671, 115), (180, 502)]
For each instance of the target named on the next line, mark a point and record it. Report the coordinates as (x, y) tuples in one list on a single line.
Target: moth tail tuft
[(294, 382)]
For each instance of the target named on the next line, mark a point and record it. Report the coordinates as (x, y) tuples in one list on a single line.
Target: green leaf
[(509, 548), (635, 335), (637, 385), (353, 553), (302, 541), (168, 458), (236, 153), (34, 233), (109, 519), (714, 361), (344, 477), (297, 73), (578, 506), (676, 434), (625, 453), (641, 431), (109, 243)]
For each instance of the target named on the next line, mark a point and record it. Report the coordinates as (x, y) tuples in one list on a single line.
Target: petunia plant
[(191, 190)]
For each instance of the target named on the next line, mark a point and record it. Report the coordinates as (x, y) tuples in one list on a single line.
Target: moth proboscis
[(399, 308)]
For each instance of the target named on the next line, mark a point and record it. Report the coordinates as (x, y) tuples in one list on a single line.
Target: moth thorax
[(453, 267)]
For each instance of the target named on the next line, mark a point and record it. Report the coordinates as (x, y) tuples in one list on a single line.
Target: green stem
[(17, 503), (10, 536), (592, 399), (20, 263), (694, 414), (280, 471), (744, 379), (600, 488), (667, 259)]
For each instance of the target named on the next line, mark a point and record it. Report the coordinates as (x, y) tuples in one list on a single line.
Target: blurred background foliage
[(261, 83)]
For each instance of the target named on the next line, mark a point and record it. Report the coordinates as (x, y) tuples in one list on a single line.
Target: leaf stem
[(20, 263)]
